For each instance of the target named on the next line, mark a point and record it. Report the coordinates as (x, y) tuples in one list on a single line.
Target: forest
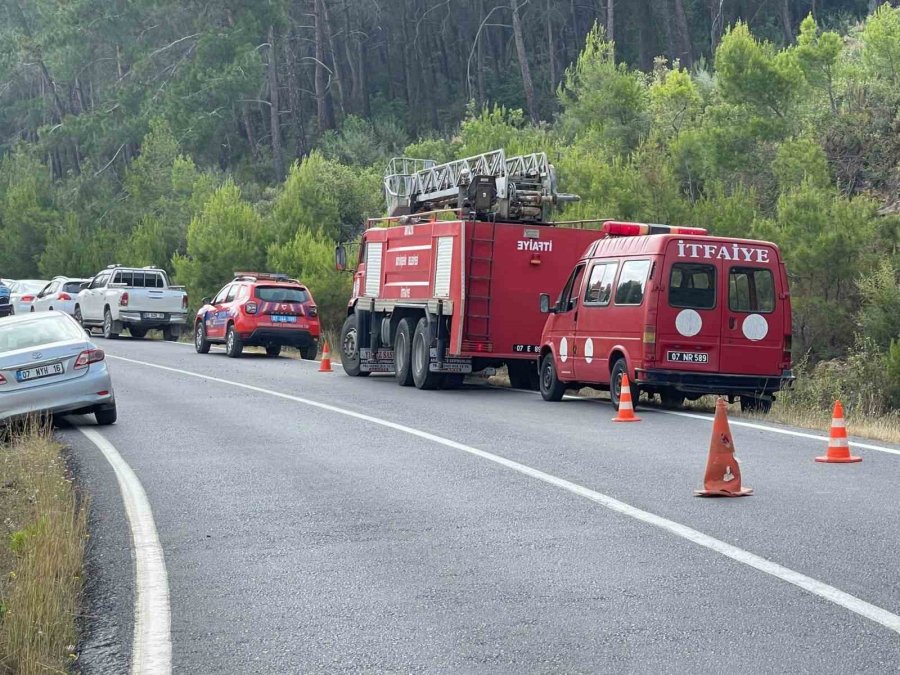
[(209, 136)]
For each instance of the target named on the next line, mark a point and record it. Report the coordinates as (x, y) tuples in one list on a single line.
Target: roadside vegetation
[(44, 532), (784, 128)]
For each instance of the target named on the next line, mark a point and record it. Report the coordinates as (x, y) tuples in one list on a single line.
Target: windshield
[(28, 286), (281, 294), (38, 331)]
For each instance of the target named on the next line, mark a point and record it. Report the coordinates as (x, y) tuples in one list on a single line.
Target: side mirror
[(340, 258), (545, 304), (206, 301)]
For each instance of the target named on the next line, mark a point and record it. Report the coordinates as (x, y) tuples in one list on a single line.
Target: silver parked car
[(48, 364)]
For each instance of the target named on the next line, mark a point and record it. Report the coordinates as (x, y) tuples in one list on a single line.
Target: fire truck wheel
[(523, 375), (615, 384), (551, 388), (402, 352), (421, 357), (350, 347)]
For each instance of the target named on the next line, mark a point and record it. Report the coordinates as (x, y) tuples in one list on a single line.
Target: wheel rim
[(107, 324), (230, 340), (401, 349), (348, 347), (547, 376), (199, 336)]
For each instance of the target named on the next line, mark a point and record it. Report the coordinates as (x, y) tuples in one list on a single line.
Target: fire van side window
[(599, 288), (751, 289), (632, 280), (692, 286)]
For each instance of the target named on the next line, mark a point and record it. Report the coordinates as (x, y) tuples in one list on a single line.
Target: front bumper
[(714, 383), (62, 397), (280, 336)]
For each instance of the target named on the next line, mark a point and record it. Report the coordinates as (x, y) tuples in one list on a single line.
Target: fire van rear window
[(692, 286), (281, 294), (751, 289)]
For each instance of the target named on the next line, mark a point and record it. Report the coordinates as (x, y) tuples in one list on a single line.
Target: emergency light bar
[(613, 228)]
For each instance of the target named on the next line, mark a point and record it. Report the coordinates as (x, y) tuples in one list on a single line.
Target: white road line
[(814, 586), (151, 653)]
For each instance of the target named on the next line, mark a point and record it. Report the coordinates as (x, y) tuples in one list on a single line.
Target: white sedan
[(48, 364), (24, 291), (58, 295)]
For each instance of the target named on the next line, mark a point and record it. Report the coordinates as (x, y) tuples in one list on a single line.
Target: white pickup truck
[(137, 298)]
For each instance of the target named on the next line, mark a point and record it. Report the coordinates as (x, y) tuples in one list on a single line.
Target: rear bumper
[(64, 397), (280, 336), (139, 319), (714, 383)]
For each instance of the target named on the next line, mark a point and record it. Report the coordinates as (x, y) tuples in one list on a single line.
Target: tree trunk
[(336, 65), (786, 25), (275, 111), (324, 114), (717, 23), (527, 84), (644, 23), (610, 20), (551, 50), (685, 53), (294, 99)]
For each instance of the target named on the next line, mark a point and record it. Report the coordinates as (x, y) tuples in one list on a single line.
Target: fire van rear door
[(689, 324)]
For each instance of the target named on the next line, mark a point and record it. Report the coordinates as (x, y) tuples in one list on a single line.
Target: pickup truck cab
[(137, 298), (681, 313)]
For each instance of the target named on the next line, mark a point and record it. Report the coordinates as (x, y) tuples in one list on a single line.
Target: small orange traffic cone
[(723, 473), (325, 365), (838, 447), (626, 409)]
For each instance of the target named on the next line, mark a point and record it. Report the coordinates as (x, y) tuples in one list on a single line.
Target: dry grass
[(41, 555)]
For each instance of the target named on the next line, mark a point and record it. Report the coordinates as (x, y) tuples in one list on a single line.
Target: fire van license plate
[(687, 357)]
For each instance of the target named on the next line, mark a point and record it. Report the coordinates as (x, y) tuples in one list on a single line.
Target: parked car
[(49, 365), (23, 292), (263, 310), (58, 295), (139, 299), (5, 307)]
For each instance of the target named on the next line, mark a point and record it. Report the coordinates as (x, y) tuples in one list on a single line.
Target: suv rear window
[(751, 289), (281, 294), (72, 286), (692, 285)]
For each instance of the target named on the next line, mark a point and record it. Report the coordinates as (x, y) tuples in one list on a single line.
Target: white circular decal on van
[(688, 322), (589, 350), (755, 327), (563, 350)]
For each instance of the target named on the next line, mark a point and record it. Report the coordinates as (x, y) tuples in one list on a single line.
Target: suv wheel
[(310, 352), (273, 350), (109, 327), (233, 344), (201, 344)]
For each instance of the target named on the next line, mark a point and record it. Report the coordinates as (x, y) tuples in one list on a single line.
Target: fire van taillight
[(786, 352), (649, 340)]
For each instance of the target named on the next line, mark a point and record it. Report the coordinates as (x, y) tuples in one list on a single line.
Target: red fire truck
[(448, 283)]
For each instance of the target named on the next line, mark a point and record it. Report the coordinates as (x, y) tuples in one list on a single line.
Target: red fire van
[(682, 313)]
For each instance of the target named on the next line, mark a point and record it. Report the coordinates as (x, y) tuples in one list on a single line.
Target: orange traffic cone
[(723, 473), (838, 447), (626, 409), (325, 365)]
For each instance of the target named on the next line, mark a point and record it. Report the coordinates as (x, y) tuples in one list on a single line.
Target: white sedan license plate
[(154, 315), (49, 370), (687, 357), (280, 318)]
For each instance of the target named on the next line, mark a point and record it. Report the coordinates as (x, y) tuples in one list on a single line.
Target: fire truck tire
[(523, 375), (551, 388), (421, 358), (403, 353), (350, 347), (619, 369)]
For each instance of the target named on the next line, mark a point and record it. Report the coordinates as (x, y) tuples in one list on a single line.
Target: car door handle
[(732, 322)]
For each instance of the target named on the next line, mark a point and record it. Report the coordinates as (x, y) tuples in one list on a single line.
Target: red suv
[(260, 310)]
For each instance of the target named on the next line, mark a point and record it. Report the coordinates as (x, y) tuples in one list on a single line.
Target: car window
[(599, 289), (569, 296), (220, 298), (232, 293), (72, 286), (751, 289), (632, 280), (100, 280), (692, 286), (49, 289), (51, 327), (281, 294)]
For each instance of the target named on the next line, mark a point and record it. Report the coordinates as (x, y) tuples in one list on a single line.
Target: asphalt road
[(298, 539)]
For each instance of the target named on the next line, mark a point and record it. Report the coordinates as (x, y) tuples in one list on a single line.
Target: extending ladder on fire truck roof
[(520, 188)]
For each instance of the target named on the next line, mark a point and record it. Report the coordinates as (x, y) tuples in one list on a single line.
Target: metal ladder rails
[(479, 274)]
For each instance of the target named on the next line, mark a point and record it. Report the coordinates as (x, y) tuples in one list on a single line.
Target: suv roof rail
[(113, 266), (266, 276)]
